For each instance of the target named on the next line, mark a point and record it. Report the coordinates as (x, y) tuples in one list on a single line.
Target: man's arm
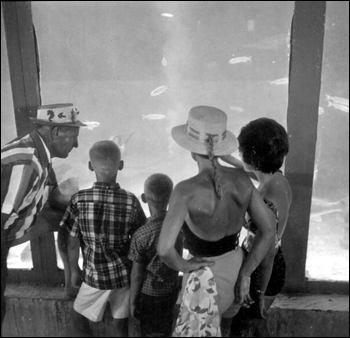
[(60, 195), (4, 218)]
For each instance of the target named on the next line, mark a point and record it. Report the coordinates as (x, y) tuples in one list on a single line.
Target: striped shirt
[(160, 280), (26, 176), (104, 217)]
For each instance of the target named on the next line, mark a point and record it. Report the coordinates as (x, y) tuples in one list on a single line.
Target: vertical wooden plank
[(23, 62), (24, 73), (302, 118), (44, 258)]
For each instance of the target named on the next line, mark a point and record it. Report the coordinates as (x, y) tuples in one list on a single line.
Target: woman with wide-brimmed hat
[(210, 208)]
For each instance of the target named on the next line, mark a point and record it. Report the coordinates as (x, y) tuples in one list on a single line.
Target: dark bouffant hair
[(264, 144)]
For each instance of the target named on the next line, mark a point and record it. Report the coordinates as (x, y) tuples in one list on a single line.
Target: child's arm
[(137, 276), (73, 255)]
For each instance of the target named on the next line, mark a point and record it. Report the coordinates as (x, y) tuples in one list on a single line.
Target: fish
[(164, 62), (167, 15), (240, 59), (281, 81), (338, 99), (338, 103), (321, 207), (339, 106), (91, 125), (153, 117), (271, 43), (121, 141), (237, 109), (159, 90)]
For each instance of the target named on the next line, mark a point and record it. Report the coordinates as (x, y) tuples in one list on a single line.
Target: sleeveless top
[(252, 229), (202, 248)]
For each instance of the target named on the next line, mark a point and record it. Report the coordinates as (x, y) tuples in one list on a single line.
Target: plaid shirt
[(104, 217), (26, 176), (160, 280)]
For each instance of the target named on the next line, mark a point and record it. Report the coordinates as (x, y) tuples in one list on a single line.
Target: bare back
[(211, 218)]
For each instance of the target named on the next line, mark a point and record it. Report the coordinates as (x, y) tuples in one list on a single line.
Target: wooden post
[(24, 73), (23, 62), (302, 117)]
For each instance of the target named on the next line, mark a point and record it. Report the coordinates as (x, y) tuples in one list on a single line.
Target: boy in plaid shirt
[(154, 286), (102, 220)]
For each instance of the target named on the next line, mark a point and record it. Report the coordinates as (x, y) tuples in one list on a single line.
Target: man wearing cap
[(27, 177)]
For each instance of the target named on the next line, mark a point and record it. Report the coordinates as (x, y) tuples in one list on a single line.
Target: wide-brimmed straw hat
[(61, 114), (202, 122)]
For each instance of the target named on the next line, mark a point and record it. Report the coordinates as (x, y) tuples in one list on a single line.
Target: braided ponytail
[(216, 180)]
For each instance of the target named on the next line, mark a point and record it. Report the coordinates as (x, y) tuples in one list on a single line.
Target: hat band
[(202, 137)]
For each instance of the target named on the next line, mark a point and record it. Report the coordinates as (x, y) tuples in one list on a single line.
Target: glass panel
[(20, 257), (328, 246), (135, 68)]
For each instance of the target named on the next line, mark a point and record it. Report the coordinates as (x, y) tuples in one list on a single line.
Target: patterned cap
[(62, 114)]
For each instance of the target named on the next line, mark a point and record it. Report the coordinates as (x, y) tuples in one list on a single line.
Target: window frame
[(302, 115)]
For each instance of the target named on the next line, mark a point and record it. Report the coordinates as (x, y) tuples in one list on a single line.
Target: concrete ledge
[(310, 316), (42, 311)]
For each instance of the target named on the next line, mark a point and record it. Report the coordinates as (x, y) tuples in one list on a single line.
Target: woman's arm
[(232, 160), (264, 239), (263, 275), (172, 225), (238, 164)]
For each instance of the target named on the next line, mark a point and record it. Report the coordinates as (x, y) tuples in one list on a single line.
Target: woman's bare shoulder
[(280, 187)]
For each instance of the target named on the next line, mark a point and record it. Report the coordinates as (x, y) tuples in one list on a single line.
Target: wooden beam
[(24, 74), (23, 63), (302, 118)]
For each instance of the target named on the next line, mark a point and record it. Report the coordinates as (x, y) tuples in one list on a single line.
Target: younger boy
[(102, 219), (154, 286)]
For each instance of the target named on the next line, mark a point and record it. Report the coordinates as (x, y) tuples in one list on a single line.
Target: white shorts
[(91, 302)]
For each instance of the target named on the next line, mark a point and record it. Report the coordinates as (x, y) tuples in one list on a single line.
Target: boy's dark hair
[(264, 144)]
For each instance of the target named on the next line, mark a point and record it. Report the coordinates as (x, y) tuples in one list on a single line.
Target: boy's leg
[(121, 327), (156, 315), (226, 327), (81, 325), (119, 301), (89, 306)]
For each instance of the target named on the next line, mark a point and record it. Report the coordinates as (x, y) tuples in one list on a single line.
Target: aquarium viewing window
[(135, 68)]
